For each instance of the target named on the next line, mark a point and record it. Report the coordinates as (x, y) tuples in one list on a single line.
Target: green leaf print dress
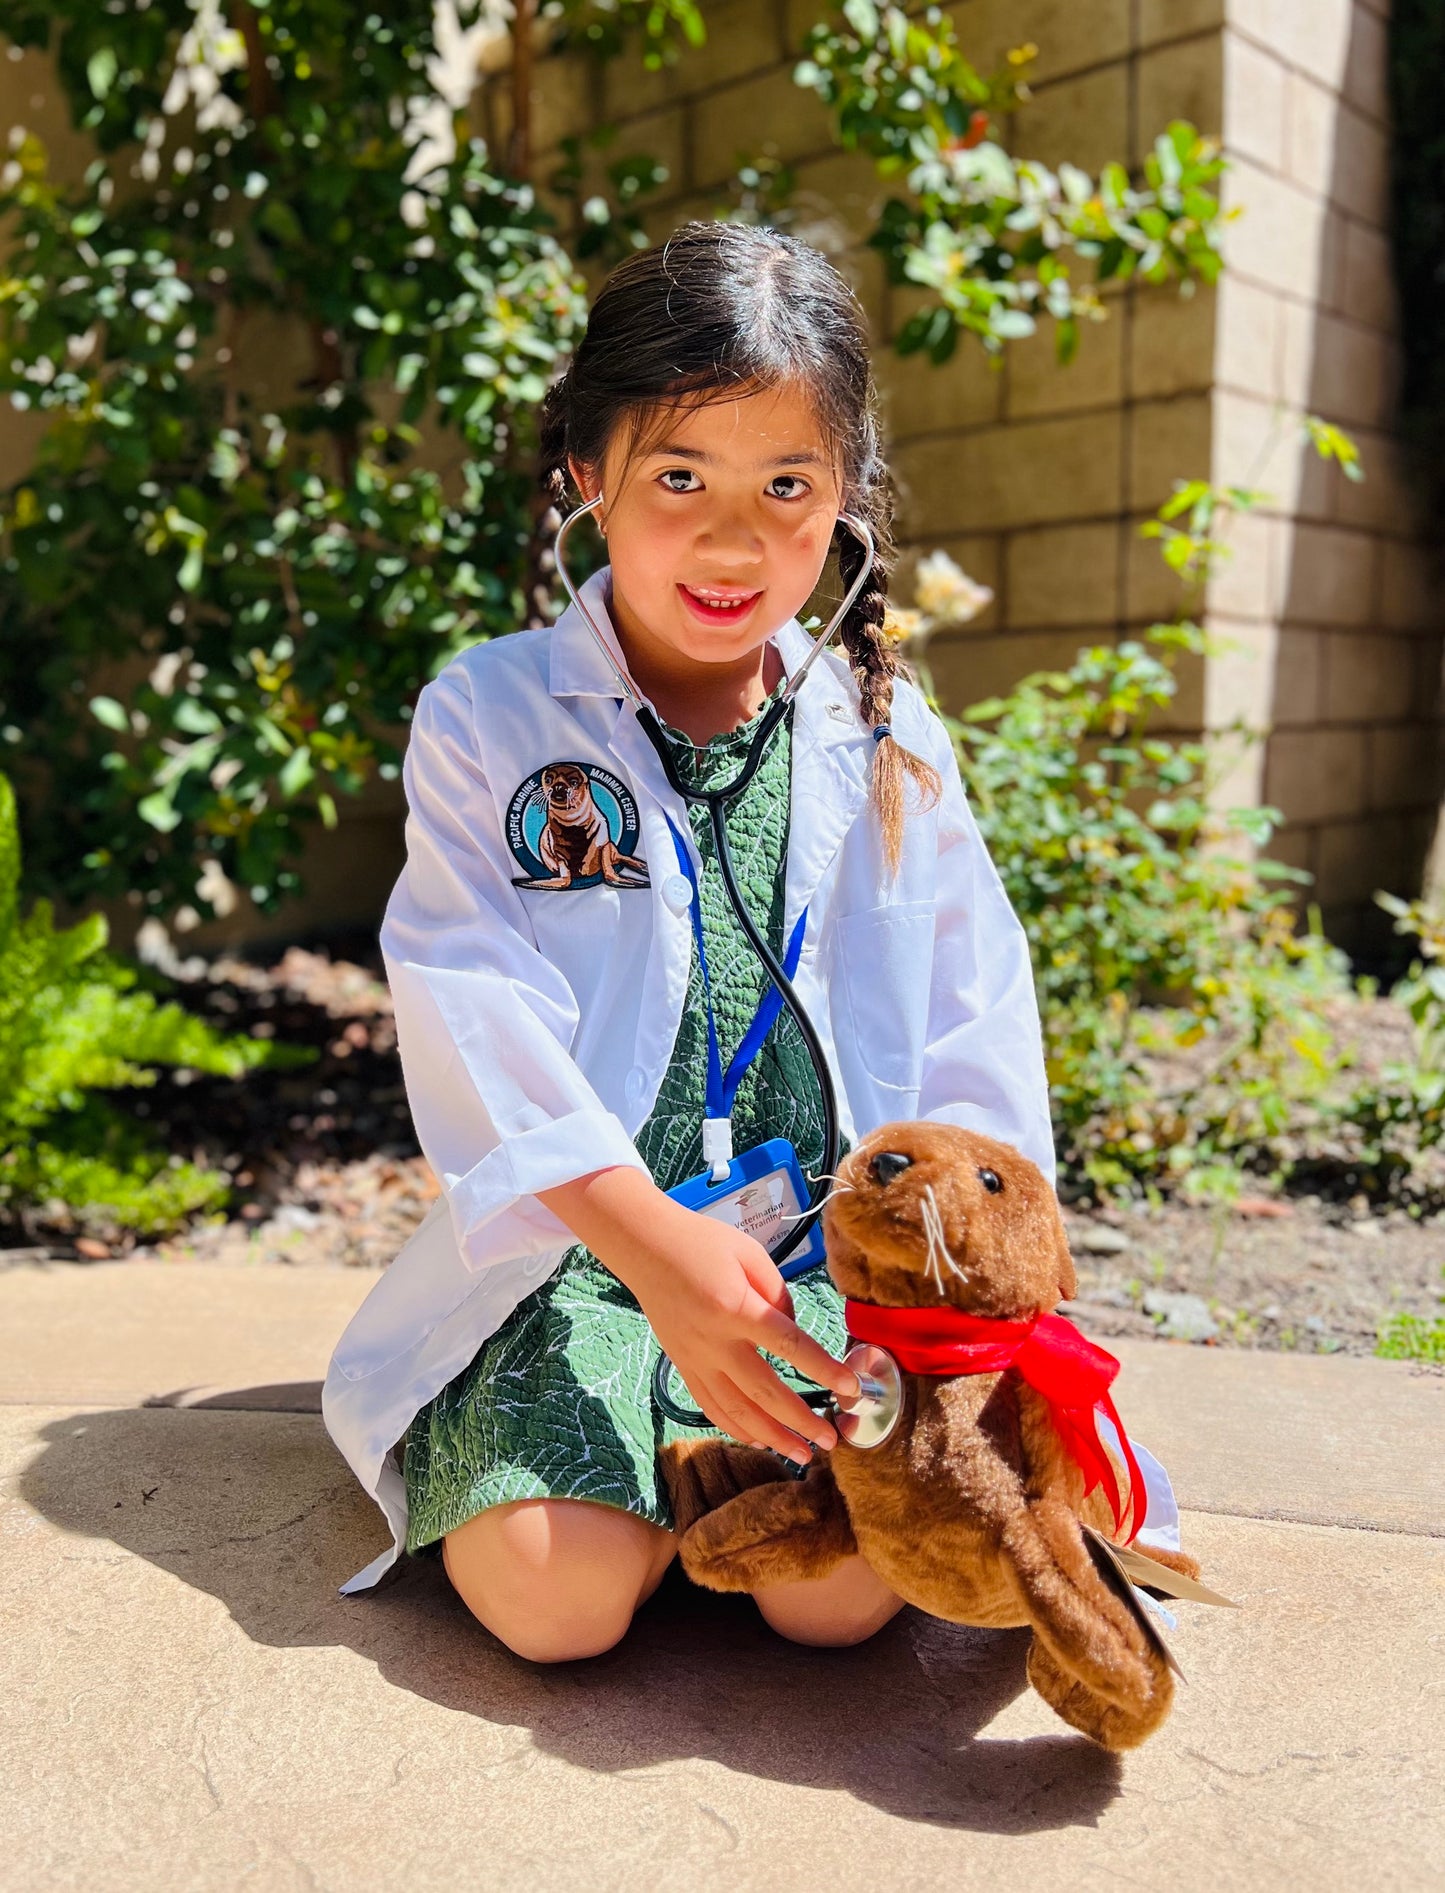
[(558, 1402)]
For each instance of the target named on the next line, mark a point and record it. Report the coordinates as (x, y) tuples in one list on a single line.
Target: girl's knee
[(554, 1629), (835, 1629), (847, 1607), (553, 1586)]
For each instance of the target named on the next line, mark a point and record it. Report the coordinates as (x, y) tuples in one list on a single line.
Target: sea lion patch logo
[(575, 825)]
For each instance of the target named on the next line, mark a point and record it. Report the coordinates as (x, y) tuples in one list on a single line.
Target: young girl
[(552, 1004)]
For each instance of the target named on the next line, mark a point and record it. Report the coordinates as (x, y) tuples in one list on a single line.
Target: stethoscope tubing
[(716, 802)]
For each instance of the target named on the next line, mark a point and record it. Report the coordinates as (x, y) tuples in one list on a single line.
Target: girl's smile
[(717, 606)]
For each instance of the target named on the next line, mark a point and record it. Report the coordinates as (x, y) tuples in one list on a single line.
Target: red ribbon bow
[(1070, 1373)]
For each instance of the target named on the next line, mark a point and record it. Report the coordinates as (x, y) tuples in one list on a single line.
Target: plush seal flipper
[(703, 1474), (1092, 1660), (743, 1521), (1106, 1723)]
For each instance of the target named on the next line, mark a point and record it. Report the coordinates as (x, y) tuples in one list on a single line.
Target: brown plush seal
[(951, 1251)]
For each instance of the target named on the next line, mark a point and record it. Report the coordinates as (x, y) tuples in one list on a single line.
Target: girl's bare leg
[(849, 1605), (556, 1579)]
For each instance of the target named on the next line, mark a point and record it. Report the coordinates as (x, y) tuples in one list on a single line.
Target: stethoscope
[(868, 1420)]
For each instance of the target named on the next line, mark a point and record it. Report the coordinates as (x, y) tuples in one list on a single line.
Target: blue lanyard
[(722, 1086)]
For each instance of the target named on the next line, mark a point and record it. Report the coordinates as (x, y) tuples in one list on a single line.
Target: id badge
[(763, 1194)]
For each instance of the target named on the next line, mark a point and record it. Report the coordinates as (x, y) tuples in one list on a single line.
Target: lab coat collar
[(832, 771), (832, 746), (578, 668)]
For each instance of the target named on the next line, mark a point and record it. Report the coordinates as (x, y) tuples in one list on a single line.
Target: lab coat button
[(677, 893), (635, 1083)]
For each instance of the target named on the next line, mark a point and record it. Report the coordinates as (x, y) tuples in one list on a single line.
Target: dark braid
[(875, 662), (552, 455)]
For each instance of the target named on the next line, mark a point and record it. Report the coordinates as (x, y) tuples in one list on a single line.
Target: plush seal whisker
[(938, 1248)]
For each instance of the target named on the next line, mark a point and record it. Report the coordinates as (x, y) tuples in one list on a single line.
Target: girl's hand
[(713, 1297)]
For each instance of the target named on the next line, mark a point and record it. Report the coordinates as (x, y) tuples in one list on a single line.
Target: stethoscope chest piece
[(872, 1418)]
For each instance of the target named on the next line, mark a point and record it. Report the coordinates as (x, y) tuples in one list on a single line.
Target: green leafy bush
[(74, 1023), (993, 237), (1392, 1122), (1186, 1016), (289, 334), (1161, 943), (1412, 1338)]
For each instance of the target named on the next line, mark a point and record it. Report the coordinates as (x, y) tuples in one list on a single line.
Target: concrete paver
[(1285, 1436), (1307, 1437), (113, 1333), (191, 1705), (199, 1709)]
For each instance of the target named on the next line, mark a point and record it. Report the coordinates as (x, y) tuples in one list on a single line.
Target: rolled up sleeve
[(983, 1066), (484, 1023)]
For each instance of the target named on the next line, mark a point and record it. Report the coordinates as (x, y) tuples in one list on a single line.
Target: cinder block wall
[(1037, 478), (1331, 600)]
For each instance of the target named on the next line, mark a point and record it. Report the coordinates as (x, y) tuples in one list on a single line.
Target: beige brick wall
[(1037, 478), (1333, 605)]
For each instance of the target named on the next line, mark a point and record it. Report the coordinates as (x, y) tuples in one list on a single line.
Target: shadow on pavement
[(257, 1509)]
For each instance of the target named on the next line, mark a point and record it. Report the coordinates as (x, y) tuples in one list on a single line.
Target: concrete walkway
[(189, 1704)]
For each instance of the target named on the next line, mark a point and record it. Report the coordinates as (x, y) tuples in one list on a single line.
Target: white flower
[(945, 591), (900, 624), (216, 887)]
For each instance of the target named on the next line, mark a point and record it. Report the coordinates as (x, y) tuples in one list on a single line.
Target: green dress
[(558, 1402)]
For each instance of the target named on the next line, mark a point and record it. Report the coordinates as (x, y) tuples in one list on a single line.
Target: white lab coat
[(535, 1026)]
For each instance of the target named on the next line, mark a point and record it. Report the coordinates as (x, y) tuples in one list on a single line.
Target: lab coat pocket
[(886, 955)]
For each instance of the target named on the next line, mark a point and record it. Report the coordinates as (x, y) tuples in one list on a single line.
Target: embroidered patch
[(575, 825)]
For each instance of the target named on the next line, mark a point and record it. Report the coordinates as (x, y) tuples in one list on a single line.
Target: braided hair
[(716, 310)]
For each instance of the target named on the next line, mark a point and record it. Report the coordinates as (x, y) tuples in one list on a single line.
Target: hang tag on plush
[(1150, 1575), (1102, 1551)]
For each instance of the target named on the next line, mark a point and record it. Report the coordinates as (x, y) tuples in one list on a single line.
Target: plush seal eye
[(991, 1181), (889, 1164)]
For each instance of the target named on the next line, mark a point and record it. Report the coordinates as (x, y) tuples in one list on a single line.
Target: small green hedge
[(74, 1025)]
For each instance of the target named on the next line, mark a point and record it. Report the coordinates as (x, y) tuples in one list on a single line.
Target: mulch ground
[(326, 1170)]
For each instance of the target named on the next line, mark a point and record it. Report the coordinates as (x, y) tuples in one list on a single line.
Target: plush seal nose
[(888, 1165)]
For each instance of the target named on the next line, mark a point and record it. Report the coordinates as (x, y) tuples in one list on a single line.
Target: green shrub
[(75, 1023), (1392, 1122), (290, 353), (1185, 1015), (1412, 1338), (1160, 943)]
